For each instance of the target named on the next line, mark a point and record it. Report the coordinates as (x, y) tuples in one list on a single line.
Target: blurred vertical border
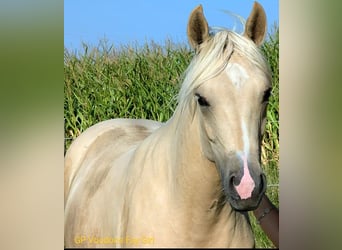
[(31, 124), (310, 124)]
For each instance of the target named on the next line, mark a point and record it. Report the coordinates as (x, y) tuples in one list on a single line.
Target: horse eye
[(266, 95), (202, 101)]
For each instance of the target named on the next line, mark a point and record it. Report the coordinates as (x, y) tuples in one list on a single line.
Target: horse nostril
[(263, 183), (233, 181)]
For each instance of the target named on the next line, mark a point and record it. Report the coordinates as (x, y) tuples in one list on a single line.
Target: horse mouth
[(244, 204)]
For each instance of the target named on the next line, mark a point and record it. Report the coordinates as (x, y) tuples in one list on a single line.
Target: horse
[(188, 182)]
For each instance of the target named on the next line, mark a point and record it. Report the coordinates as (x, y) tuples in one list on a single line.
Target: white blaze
[(246, 186), (245, 138), (237, 74)]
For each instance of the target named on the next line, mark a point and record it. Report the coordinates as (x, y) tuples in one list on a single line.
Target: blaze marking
[(245, 138), (237, 74), (246, 185)]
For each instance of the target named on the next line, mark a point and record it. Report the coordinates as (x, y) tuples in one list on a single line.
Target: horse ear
[(198, 29), (256, 24)]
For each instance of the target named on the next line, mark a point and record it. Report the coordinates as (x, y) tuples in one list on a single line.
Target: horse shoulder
[(118, 134)]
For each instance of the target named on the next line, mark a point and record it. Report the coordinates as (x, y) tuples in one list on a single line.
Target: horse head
[(233, 83)]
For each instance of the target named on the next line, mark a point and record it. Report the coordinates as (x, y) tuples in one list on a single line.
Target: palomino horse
[(187, 182)]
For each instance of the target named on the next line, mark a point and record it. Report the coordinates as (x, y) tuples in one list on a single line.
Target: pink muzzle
[(247, 184)]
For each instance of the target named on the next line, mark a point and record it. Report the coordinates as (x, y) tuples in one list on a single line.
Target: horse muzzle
[(240, 201), (244, 185)]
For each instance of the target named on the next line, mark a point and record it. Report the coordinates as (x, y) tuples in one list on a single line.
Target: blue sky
[(131, 21)]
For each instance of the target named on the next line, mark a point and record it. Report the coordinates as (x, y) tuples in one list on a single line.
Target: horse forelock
[(213, 57)]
